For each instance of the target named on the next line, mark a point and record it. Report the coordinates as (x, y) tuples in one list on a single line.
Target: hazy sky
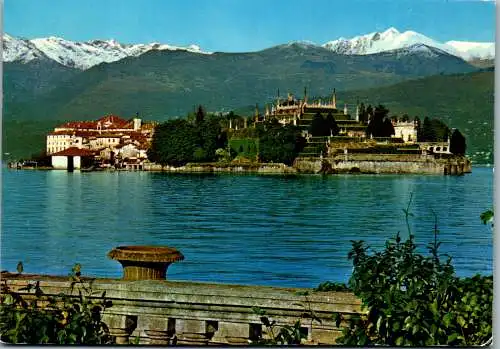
[(245, 25)]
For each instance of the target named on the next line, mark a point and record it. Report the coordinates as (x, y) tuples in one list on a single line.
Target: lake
[(245, 229)]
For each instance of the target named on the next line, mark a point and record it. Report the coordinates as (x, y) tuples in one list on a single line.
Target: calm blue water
[(263, 230)]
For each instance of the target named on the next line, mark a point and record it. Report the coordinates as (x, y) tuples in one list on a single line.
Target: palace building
[(300, 112)]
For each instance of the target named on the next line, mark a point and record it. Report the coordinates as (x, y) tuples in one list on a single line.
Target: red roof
[(74, 133), (74, 151), (79, 125), (108, 122), (113, 121)]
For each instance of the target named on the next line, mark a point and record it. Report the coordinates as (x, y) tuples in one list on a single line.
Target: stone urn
[(145, 262)]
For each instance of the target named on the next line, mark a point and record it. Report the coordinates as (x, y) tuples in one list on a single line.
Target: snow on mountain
[(422, 50), (81, 55), (392, 39), (472, 50), (22, 50)]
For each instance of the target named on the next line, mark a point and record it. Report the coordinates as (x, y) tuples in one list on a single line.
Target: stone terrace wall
[(202, 313), (264, 168), (384, 163)]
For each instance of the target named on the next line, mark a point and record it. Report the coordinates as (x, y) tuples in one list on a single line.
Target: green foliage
[(280, 143), (200, 115), (380, 125), (177, 142), (246, 147), (328, 286), (286, 335), (415, 300), (174, 143), (39, 319), (487, 217), (457, 143), (434, 130), (318, 127), (322, 127), (331, 124)]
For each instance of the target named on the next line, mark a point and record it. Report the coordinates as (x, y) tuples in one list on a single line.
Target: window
[(445, 148), (438, 148)]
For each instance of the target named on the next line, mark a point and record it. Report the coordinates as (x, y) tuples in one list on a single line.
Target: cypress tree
[(457, 143)]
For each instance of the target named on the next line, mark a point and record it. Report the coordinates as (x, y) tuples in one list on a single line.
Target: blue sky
[(245, 25)]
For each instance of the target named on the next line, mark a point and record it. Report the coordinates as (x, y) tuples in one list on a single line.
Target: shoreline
[(327, 166)]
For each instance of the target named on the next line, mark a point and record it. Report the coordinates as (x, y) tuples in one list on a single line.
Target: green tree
[(332, 124), (200, 115), (457, 143), (281, 144), (415, 300), (319, 126), (380, 125), (369, 113), (434, 130), (210, 138), (363, 116), (174, 143)]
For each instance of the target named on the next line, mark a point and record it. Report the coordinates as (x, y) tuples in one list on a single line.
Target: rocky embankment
[(250, 168), (385, 163)]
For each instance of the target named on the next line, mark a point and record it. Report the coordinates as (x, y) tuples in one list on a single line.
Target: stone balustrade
[(161, 312)]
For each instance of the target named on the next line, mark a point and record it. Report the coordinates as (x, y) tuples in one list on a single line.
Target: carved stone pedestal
[(189, 338), (159, 337), (121, 335)]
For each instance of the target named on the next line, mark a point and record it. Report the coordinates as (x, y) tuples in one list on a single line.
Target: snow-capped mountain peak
[(81, 55), (392, 39), (389, 33), (473, 50)]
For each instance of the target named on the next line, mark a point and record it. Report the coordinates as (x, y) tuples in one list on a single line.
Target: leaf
[(337, 317), (379, 323), (487, 216), (461, 320), (258, 311), (447, 319), (399, 341), (415, 329), (451, 338)]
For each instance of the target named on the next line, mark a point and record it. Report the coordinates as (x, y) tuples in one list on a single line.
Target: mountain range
[(392, 39), (163, 83), (84, 55)]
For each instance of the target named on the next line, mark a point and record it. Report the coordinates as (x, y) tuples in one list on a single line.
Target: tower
[(334, 99), (345, 109), (137, 123), (305, 95), (256, 112), (278, 99), (357, 112)]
